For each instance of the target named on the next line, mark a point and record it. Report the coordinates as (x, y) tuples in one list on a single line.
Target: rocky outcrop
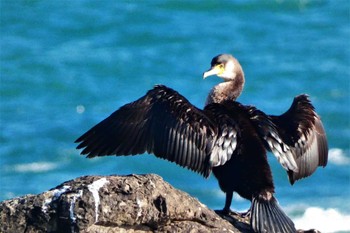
[(134, 203)]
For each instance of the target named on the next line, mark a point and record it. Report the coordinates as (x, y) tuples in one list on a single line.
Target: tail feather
[(267, 216)]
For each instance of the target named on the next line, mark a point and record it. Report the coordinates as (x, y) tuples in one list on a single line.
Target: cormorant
[(226, 138)]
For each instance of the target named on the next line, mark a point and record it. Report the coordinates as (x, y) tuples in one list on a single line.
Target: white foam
[(80, 109), (35, 167), (337, 156), (324, 220), (94, 188)]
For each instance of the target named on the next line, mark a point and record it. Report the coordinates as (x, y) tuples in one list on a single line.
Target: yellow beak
[(213, 71)]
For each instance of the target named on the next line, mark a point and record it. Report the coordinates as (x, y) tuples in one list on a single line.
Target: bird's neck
[(229, 90)]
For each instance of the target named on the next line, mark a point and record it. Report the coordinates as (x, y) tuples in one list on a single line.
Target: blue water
[(66, 65)]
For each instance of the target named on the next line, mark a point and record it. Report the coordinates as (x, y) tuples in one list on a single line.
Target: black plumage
[(226, 138)]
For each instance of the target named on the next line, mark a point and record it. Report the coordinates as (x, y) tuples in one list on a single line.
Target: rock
[(134, 203)]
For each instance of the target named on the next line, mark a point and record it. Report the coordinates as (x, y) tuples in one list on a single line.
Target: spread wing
[(163, 123), (273, 141), (302, 130), (297, 137)]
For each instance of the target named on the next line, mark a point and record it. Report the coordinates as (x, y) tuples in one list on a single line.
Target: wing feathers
[(297, 137), (163, 123), (228, 128), (273, 142), (301, 129), (322, 142), (313, 152)]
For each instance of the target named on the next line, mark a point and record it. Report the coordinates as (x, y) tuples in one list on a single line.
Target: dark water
[(66, 65)]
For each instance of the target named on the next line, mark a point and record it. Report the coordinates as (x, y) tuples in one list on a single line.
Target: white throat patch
[(229, 73)]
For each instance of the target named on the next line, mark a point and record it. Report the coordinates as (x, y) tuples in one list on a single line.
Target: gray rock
[(134, 203)]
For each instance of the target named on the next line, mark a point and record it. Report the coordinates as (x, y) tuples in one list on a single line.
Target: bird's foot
[(239, 220), (230, 212), (244, 214), (224, 211), (225, 214)]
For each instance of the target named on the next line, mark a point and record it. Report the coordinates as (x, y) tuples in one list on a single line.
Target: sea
[(68, 64)]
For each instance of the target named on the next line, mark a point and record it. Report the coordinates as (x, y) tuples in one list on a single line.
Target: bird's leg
[(228, 202), (227, 210)]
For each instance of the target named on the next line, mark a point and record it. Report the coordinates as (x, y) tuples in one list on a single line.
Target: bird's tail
[(267, 216)]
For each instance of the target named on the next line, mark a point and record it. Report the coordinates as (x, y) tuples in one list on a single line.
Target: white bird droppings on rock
[(54, 195), (94, 188)]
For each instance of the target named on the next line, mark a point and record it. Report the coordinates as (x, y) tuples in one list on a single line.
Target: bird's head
[(224, 66)]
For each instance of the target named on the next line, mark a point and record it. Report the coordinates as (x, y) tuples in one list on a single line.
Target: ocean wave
[(337, 156), (324, 220), (35, 167)]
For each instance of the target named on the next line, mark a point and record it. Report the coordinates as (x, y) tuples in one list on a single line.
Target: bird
[(226, 138)]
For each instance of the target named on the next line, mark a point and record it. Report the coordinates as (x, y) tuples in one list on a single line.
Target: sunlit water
[(66, 65)]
